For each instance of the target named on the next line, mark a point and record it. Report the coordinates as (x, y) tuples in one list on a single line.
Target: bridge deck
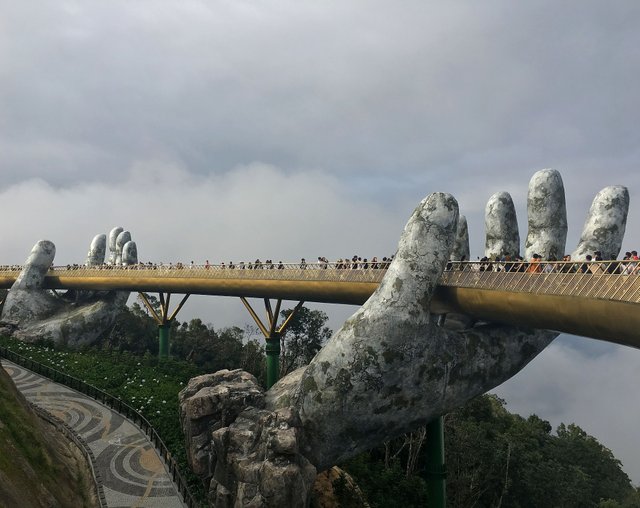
[(601, 303)]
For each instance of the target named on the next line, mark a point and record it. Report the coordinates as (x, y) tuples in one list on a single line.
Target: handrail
[(591, 299), (115, 404), (350, 271), (612, 278), (606, 280)]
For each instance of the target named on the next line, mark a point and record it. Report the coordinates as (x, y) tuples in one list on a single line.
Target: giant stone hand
[(390, 368), (33, 313)]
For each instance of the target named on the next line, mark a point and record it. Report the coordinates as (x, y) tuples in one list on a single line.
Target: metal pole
[(272, 349), (164, 331), (436, 470)]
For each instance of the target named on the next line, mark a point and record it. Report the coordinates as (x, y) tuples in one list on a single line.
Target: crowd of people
[(355, 262), (537, 264)]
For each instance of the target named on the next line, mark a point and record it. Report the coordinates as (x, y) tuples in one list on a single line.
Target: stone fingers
[(122, 250), (97, 250), (130, 253), (605, 224), (36, 266), (461, 250), (113, 237), (501, 227), (26, 302), (547, 216), (121, 241), (423, 251)]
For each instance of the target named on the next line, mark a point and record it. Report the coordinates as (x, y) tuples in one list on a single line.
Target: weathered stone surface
[(460, 251), (501, 227), (36, 266), (129, 252), (31, 313), (121, 241), (547, 212), (25, 302), (245, 455), (209, 403), (390, 368), (113, 248), (605, 224), (97, 250)]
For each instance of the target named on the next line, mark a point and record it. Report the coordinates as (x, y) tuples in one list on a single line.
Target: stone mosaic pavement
[(133, 474)]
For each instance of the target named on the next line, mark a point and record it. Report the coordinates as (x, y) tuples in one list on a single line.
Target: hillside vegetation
[(494, 458), (38, 466)]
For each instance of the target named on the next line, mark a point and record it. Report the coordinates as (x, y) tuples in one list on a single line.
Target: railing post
[(164, 332), (436, 470), (272, 350)]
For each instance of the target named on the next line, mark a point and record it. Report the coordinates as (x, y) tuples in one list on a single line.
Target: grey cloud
[(361, 88)]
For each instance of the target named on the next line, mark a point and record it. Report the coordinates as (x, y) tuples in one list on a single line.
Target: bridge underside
[(609, 320), (612, 321)]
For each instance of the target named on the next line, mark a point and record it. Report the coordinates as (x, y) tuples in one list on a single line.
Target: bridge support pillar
[(272, 350), (272, 334), (160, 314), (436, 469), (164, 333)]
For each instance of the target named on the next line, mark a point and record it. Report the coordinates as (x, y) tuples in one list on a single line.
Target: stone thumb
[(36, 266)]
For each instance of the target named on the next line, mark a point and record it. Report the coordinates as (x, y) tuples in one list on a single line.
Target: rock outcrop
[(238, 448)]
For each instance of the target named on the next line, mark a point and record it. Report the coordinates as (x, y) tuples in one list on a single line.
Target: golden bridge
[(596, 300)]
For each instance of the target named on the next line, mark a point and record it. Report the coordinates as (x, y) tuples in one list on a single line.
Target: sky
[(236, 130)]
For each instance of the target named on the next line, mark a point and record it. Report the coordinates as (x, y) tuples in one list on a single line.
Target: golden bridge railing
[(610, 280), (286, 271), (592, 299), (607, 280)]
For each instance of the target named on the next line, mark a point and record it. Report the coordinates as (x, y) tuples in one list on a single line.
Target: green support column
[(164, 331), (272, 334), (436, 471), (272, 349)]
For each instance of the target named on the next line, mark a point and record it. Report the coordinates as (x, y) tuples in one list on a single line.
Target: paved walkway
[(133, 474)]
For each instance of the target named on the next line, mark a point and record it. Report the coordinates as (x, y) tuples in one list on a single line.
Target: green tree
[(253, 360), (135, 331), (606, 479), (303, 338), (498, 459)]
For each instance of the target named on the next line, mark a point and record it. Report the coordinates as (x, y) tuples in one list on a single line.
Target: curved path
[(133, 475)]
